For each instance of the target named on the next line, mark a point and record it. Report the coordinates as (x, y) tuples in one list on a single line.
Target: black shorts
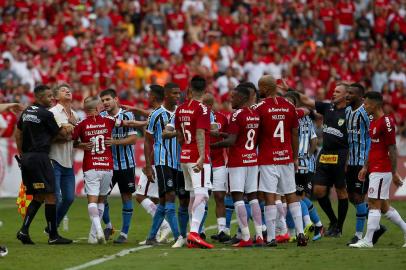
[(180, 189), (125, 180), (353, 184), (167, 179), (303, 183), (38, 173), (330, 169)]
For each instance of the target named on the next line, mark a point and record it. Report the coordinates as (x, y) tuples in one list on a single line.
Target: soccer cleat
[(243, 244), (353, 240), (214, 237), (151, 242), (59, 240), (3, 251), (233, 240), (318, 233), (259, 241), (362, 244), (223, 237), (203, 235), (292, 239), (195, 241), (337, 233), (378, 233), (121, 239), (308, 230), (164, 234), (108, 232), (282, 238), (92, 239), (100, 237), (301, 240), (272, 243), (24, 238), (180, 242), (331, 228)]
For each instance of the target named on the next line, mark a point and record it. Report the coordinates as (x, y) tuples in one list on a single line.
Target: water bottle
[(66, 223)]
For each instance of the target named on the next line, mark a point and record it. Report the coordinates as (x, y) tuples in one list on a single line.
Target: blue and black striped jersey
[(306, 134), (123, 155), (166, 152), (358, 137)]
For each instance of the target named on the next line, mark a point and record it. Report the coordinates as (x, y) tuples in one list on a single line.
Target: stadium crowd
[(128, 45)]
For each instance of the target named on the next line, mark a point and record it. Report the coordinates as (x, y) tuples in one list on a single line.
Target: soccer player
[(359, 145), (242, 164), (147, 192), (277, 156), (330, 167), (35, 131), (166, 165), (123, 163), (192, 123), (307, 148), (382, 166), (217, 158), (95, 131)]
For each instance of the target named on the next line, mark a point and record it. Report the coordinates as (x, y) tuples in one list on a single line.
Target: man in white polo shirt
[(61, 154)]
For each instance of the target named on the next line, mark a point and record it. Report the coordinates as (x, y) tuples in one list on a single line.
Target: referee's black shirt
[(38, 128), (335, 135)]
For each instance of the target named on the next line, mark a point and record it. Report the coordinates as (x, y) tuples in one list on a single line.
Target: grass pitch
[(325, 254)]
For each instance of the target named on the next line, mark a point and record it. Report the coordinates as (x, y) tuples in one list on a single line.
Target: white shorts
[(195, 180), (220, 178), (97, 182), (379, 185), (147, 188), (277, 179), (243, 179)]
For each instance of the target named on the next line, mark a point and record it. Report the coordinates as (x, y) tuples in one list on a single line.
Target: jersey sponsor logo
[(388, 125), (341, 122), (332, 131), (31, 118), (328, 159), (96, 126), (186, 111), (278, 110), (204, 108), (38, 185)]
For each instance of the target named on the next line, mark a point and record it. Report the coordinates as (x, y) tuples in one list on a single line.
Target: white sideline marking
[(124, 252)]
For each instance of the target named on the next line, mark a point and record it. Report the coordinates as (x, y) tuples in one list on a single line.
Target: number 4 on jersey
[(279, 132)]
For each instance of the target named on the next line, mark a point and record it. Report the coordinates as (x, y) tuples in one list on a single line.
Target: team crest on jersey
[(340, 122)]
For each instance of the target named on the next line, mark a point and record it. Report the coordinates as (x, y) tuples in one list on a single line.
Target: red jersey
[(180, 75), (327, 15), (189, 117), (11, 120), (278, 118), (217, 154), (245, 124), (382, 133), (96, 129), (346, 13)]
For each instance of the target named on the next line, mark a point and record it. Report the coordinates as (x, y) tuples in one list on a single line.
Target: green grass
[(327, 253)]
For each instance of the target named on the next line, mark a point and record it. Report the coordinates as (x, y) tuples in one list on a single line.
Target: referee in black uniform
[(330, 167), (36, 129)]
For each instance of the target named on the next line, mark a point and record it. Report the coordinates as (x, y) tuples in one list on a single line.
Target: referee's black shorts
[(330, 169), (125, 180), (37, 172), (353, 184)]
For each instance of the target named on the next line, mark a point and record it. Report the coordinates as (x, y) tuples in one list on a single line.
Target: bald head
[(91, 103), (267, 86)]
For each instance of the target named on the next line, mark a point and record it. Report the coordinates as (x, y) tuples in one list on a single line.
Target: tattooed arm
[(393, 154), (200, 140)]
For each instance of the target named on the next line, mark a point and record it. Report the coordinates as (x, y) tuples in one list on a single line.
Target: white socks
[(221, 224), (198, 209), (94, 217), (270, 219), (256, 216), (296, 211), (374, 216), (394, 216), (241, 212), (149, 206)]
